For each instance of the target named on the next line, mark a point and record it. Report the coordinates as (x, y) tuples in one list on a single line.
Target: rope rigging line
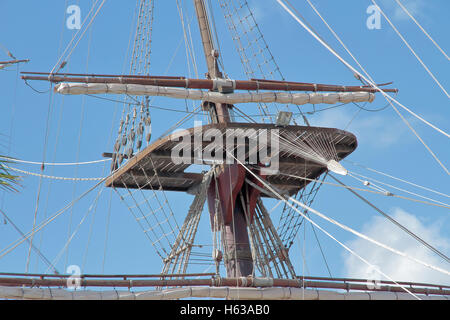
[(237, 109), (388, 194), (72, 235), (145, 230), (321, 250), (342, 226), (400, 189), (40, 254), (52, 177), (215, 36), (54, 163), (421, 140), (180, 255), (267, 185), (398, 179), (348, 51), (411, 49), (412, 234), (104, 170), (63, 26), (188, 42), (421, 28), (55, 148), (46, 137), (243, 27), (80, 132), (76, 34), (334, 34), (44, 223), (11, 126), (165, 201), (289, 223), (8, 53), (371, 82), (158, 225), (369, 184), (135, 124)]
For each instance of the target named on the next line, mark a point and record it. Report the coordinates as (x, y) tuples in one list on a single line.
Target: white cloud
[(415, 7), (395, 266), (376, 130), (258, 10)]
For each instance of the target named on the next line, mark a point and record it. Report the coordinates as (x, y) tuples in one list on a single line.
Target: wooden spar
[(226, 282), (235, 239), (219, 111), (17, 275), (209, 84), (211, 54), (64, 74), (14, 61)]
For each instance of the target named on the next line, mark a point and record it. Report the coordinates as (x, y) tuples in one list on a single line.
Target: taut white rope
[(357, 72), (412, 50), (52, 177), (421, 28), (54, 164)]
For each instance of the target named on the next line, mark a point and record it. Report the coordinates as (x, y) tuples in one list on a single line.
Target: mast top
[(211, 54)]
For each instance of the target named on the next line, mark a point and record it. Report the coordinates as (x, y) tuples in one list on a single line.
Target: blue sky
[(82, 128)]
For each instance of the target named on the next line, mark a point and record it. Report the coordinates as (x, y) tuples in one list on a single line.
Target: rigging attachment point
[(336, 167)]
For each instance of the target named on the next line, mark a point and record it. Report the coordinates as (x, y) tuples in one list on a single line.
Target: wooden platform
[(153, 168)]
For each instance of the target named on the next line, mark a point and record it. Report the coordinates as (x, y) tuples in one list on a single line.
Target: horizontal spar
[(4, 64), (212, 96), (96, 75), (209, 84), (14, 61), (249, 282)]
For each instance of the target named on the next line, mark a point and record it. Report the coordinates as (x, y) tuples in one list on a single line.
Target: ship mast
[(219, 112), (237, 213), (237, 256)]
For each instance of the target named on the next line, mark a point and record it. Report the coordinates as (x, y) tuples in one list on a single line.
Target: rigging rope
[(388, 194), (342, 226), (400, 189), (46, 136), (52, 177), (71, 236), (412, 50), (76, 34), (371, 82), (63, 26), (412, 234), (358, 73), (54, 163), (398, 179), (421, 28), (14, 245), (315, 224), (40, 254)]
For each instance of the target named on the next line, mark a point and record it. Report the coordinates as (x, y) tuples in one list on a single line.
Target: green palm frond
[(8, 181)]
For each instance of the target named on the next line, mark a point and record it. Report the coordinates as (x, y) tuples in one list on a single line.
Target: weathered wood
[(157, 158), (208, 84)]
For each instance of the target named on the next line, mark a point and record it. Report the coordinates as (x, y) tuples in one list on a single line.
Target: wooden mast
[(229, 178), (219, 111), (236, 191)]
